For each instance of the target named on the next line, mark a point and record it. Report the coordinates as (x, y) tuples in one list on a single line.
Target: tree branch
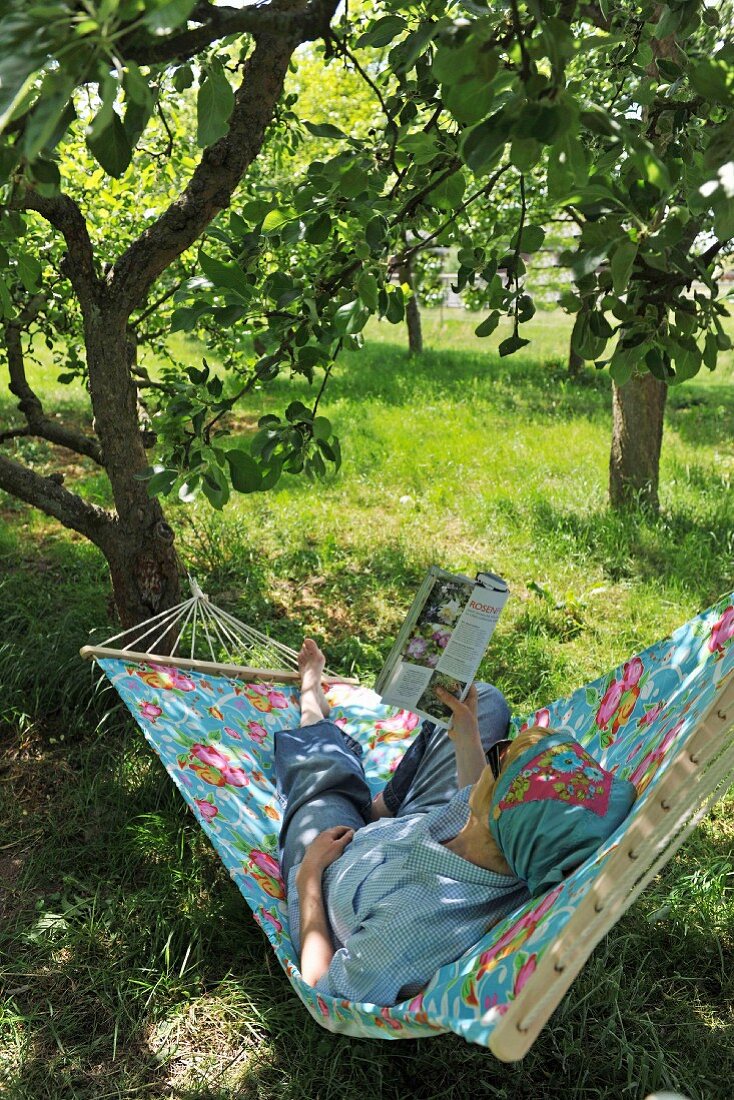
[(159, 301), (14, 433), (28, 401), (304, 25), (46, 494), (219, 171), (65, 215), (485, 190)]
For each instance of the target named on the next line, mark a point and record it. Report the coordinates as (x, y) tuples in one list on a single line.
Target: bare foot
[(311, 662)]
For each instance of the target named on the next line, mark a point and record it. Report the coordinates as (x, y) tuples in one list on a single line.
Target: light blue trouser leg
[(320, 783), (434, 782)]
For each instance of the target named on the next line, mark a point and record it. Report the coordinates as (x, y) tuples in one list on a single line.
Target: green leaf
[(324, 129), (382, 32), (710, 350), (413, 46), (469, 100), (215, 487), (525, 153), (321, 428), (621, 264), (449, 193), (275, 219), (29, 272), (512, 344), (481, 144), (710, 79), (354, 181), (351, 318), (297, 411), (136, 86), (623, 362), (586, 263), (688, 359), (225, 276), (185, 318), (488, 325), (318, 231), (395, 306), (724, 216), (111, 147), (668, 22), (244, 472), (169, 15), (375, 231), (213, 106), (532, 239), (255, 211), (6, 302), (135, 121), (272, 474), (51, 115), (161, 483), (367, 290), (183, 78), (569, 301)]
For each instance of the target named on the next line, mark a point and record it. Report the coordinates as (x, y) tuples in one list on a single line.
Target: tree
[(48, 54), (475, 108)]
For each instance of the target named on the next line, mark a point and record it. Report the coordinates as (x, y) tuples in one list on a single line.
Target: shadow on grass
[(696, 551), (702, 414), (383, 373)]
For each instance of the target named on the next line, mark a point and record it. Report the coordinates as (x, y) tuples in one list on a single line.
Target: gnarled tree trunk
[(412, 310), (134, 537), (638, 408), (139, 547)]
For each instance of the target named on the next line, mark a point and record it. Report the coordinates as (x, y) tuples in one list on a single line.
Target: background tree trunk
[(575, 362), (638, 408), (412, 310)]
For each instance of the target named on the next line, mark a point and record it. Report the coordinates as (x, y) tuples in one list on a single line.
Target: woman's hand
[(327, 847), (464, 715)]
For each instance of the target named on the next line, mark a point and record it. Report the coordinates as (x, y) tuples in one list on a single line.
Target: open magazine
[(442, 642)]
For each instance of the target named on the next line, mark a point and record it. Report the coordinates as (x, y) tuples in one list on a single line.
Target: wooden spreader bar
[(242, 672)]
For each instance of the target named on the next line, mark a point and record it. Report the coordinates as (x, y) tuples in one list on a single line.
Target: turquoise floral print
[(215, 738)]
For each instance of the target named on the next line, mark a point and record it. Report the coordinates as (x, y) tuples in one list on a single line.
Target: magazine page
[(445, 645)]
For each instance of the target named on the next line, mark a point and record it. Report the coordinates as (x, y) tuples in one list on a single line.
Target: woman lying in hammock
[(382, 894)]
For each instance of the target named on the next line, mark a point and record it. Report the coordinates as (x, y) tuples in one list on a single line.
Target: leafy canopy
[(472, 125)]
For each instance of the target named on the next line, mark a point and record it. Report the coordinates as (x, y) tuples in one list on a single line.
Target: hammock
[(664, 719)]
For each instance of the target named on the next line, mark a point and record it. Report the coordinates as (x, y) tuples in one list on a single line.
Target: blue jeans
[(320, 780)]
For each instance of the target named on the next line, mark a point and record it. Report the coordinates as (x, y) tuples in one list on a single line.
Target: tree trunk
[(575, 362), (637, 437), (638, 407), (140, 552), (412, 310)]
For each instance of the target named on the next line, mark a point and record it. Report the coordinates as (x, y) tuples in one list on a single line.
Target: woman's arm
[(317, 950), (464, 732)]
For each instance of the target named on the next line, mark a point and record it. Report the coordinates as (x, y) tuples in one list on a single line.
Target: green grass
[(129, 964)]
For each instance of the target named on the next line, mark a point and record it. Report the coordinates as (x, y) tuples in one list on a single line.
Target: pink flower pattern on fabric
[(633, 719)]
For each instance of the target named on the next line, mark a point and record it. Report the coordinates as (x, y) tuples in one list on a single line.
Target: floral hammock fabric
[(214, 735)]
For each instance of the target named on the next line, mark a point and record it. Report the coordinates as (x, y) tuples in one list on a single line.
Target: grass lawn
[(129, 964)]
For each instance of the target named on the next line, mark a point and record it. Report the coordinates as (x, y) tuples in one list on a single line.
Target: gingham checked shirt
[(400, 905)]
